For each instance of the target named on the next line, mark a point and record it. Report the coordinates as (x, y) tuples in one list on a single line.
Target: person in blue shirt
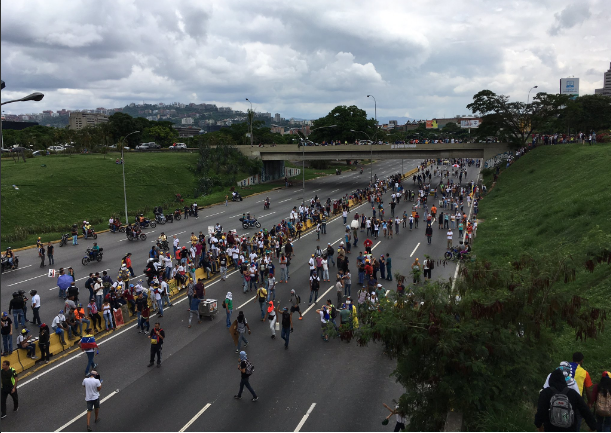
[(194, 310)]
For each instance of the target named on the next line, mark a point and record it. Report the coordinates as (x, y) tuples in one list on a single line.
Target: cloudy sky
[(420, 59)]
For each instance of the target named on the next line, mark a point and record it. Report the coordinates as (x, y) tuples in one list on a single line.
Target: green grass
[(555, 200), (57, 191)]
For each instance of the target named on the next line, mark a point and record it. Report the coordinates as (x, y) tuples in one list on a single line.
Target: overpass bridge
[(291, 152), (274, 156)]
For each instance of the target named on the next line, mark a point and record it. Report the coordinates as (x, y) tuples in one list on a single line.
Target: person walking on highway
[(242, 326), (286, 324), (194, 310), (228, 306), (429, 233), (50, 249), (449, 236), (314, 286), (246, 369), (93, 385), (89, 346), (157, 336), (271, 315), (9, 387)]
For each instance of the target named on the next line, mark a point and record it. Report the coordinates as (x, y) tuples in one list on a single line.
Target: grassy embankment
[(554, 200), (57, 191)]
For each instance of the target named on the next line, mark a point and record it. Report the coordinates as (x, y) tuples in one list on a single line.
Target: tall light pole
[(528, 100), (251, 116), (371, 157), (36, 96), (375, 112), (123, 164)]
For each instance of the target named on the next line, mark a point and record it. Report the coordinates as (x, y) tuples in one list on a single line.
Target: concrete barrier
[(55, 345)]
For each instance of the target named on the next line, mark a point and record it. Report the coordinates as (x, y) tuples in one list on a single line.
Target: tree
[(584, 114), (514, 122), (346, 119), (161, 134), (466, 350)]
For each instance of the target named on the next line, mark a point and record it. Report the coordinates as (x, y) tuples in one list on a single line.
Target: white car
[(177, 146), (56, 148)]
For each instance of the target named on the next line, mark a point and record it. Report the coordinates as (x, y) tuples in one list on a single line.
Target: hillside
[(554, 201)]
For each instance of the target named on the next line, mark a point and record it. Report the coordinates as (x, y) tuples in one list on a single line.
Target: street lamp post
[(36, 96), (303, 157), (528, 100), (252, 114), (123, 164), (371, 153), (375, 112)]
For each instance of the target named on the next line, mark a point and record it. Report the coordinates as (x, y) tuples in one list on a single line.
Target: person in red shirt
[(128, 264), (368, 243)]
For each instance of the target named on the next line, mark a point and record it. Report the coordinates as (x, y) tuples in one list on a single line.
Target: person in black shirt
[(557, 384), (9, 387), (287, 325), (157, 336), (50, 249), (246, 370)]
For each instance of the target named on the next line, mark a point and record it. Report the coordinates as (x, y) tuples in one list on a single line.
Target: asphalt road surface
[(312, 386)]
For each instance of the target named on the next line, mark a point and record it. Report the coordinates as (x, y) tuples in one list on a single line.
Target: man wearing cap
[(312, 264), (25, 342), (287, 325), (60, 327), (93, 385)]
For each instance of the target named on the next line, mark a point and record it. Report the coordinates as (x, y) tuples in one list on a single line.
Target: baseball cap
[(25, 331), (4, 314)]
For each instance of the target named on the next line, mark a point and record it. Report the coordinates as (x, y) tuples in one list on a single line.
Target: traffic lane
[(296, 265)]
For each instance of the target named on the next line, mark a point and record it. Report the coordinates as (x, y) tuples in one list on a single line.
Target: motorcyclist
[(9, 255), (94, 251), (86, 228)]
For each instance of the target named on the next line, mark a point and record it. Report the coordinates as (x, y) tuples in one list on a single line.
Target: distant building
[(606, 89), (277, 117), (80, 120), (187, 131), (187, 121)]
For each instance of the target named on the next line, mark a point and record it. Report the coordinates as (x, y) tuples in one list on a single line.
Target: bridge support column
[(272, 170)]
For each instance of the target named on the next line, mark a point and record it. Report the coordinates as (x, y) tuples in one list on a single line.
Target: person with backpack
[(9, 387), (332, 313), (262, 298), (246, 369), (286, 325), (314, 286), (157, 336), (601, 393), (295, 300), (558, 404)]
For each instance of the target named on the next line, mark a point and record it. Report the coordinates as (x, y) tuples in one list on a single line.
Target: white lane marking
[(29, 279), (84, 278), (197, 415), (235, 216), (267, 214), (251, 299), (336, 241), (374, 247), (85, 412), (214, 214), (415, 249), (319, 296), (179, 233), (15, 270), (305, 417), (288, 199), (334, 190)]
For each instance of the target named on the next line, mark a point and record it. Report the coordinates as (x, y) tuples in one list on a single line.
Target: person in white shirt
[(325, 269), (323, 321), (35, 300), (175, 243), (312, 264), (449, 236), (92, 385), (166, 294)]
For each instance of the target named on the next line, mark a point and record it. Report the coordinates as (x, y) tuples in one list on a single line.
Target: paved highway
[(314, 385)]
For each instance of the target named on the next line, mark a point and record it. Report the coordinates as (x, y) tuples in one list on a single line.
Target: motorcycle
[(6, 265), (132, 237), (249, 223), (361, 171), (64, 240), (89, 256), (338, 171), (266, 205), (160, 218), (148, 223), (236, 197), (455, 253), (91, 233), (163, 245), (169, 218), (177, 214), (120, 228)]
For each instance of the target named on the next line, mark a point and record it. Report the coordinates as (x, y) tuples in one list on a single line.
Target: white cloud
[(298, 58)]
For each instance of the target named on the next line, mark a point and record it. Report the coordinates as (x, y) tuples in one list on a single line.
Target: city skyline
[(418, 61)]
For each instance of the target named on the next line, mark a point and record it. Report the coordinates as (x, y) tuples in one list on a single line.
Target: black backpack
[(286, 319), (333, 312), (262, 298), (315, 284), (250, 369)]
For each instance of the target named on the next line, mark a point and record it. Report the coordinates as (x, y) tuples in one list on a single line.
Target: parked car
[(177, 146), (143, 146), (56, 148), (153, 145)]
